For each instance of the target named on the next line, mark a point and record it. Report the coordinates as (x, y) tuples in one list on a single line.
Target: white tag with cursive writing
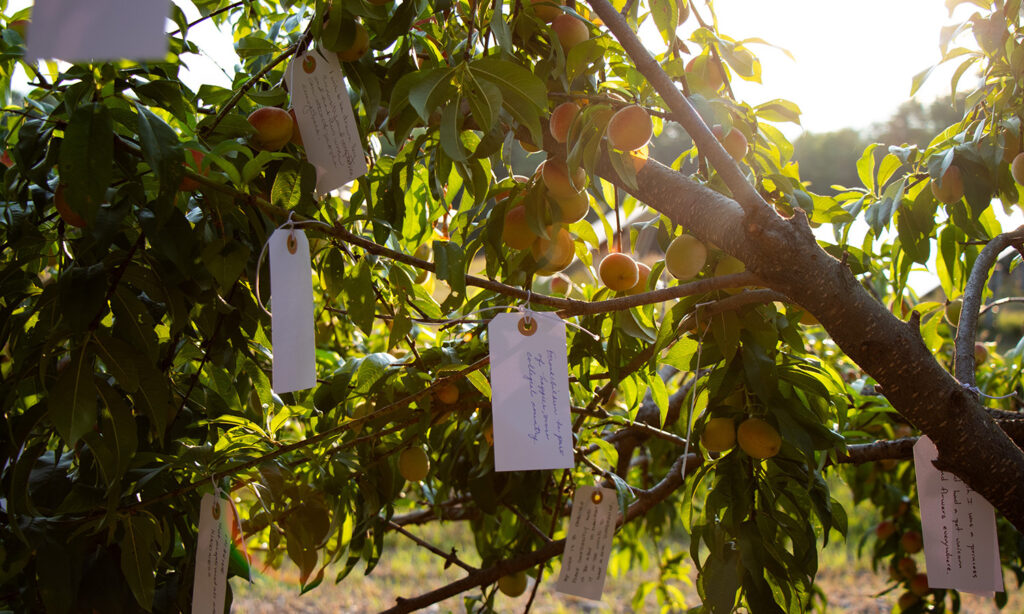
[(212, 550), (530, 393), (325, 119), (961, 548), (291, 300), (588, 542)]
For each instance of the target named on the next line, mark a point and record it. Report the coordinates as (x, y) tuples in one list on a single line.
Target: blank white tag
[(73, 30), (530, 393), (212, 550), (291, 302), (961, 547), (588, 542), (326, 121)]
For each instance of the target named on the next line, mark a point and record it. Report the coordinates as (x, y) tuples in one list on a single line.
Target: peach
[(570, 30), (630, 128), (685, 257), (296, 135), (911, 542), (1017, 168), (556, 178), (69, 216), (919, 585), (447, 394), (885, 529), (980, 354), (949, 188), (1011, 145), (187, 183), (641, 282), (618, 271), (561, 120), (6, 160), (360, 45), (719, 434), (758, 438), (733, 141), (546, 10), (274, 128), (572, 209), (516, 232), (907, 600), (555, 253), (704, 74), (413, 464)]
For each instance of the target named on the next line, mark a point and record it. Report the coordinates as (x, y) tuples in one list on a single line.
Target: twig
[(449, 557)]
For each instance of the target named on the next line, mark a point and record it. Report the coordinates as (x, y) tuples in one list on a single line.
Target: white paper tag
[(961, 547), (73, 30), (212, 551), (530, 393), (291, 302), (326, 121), (588, 542)]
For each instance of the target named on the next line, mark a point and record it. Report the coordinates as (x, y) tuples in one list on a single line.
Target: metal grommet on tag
[(292, 243), (527, 326), (597, 497), (216, 511)]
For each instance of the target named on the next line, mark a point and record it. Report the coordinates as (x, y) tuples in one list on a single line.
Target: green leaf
[(137, 561), (159, 144), (118, 430), (660, 395), (72, 403), (120, 359), (361, 300), (87, 159), (522, 92), (451, 129), (293, 185), (666, 18), (778, 110), (226, 262), (866, 167), (428, 89)]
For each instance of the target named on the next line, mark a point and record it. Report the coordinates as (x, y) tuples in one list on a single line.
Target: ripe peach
[(555, 253), (570, 30), (561, 119), (630, 128), (733, 141), (572, 209), (704, 74), (885, 529), (907, 600), (556, 178), (906, 567), (360, 45), (559, 285), (546, 10), (980, 354), (296, 135), (1017, 168), (516, 232), (447, 394), (758, 438), (919, 585), (187, 183), (69, 216), (949, 188), (685, 257), (274, 128), (641, 282), (618, 271), (911, 542)]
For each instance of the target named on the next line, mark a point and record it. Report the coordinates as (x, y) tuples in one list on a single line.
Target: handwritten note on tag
[(291, 301), (326, 121), (588, 542), (208, 591), (530, 393), (73, 30), (961, 548)]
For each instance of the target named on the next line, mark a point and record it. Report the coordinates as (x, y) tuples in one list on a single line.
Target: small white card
[(530, 393), (291, 302), (588, 542), (212, 551), (73, 30), (326, 121), (961, 547)]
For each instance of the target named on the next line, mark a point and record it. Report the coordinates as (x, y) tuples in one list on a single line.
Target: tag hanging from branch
[(530, 392), (212, 555), (291, 298), (588, 542)]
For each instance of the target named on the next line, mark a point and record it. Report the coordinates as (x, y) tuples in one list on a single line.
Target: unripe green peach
[(561, 120), (704, 74), (618, 271), (546, 10), (360, 45), (719, 434), (630, 128), (1017, 168), (413, 464), (685, 257)]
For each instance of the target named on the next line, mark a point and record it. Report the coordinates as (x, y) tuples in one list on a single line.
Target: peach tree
[(780, 348)]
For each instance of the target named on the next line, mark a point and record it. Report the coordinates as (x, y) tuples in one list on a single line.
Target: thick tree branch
[(967, 327)]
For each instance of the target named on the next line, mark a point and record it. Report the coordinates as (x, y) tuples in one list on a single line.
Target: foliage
[(136, 355)]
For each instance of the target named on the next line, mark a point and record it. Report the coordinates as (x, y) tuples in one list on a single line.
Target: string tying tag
[(290, 224), (977, 391)]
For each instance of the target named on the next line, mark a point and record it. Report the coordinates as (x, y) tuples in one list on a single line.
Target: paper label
[(291, 302), (73, 30), (530, 393), (961, 547), (326, 121), (212, 551), (588, 542)]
